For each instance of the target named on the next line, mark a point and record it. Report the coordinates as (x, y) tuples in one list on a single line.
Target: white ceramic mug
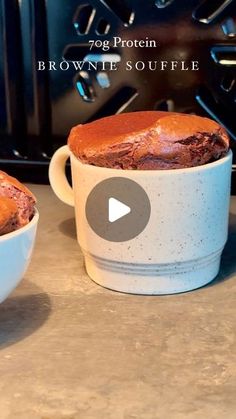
[(180, 248)]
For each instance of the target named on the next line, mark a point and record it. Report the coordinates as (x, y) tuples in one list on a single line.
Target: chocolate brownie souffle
[(17, 204), (8, 215), (149, 140)]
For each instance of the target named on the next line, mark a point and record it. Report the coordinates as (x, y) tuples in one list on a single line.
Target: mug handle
[(57, 176)]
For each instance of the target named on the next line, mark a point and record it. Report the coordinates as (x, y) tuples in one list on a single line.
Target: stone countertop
[(71, 349)]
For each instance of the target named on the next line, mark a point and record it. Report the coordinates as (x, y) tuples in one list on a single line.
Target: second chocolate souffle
[(17, 204), (149, 140)]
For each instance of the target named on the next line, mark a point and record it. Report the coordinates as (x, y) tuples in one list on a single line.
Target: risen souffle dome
[(149, 140)]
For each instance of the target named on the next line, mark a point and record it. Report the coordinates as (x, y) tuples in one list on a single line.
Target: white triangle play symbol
[(116, 209)]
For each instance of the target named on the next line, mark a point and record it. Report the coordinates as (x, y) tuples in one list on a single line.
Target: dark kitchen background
[(38, 108)]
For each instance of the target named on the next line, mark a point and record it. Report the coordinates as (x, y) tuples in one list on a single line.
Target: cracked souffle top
[(149, 140), (17, 204)]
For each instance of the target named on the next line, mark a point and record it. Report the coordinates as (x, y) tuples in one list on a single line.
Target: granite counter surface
[(71, 349)]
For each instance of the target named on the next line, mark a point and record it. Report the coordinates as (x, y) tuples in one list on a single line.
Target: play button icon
[(118, 209)]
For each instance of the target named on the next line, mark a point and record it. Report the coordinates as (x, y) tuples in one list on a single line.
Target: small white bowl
[(15, 254)]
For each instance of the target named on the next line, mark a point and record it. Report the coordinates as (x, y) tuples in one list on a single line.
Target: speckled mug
[(180, 248)]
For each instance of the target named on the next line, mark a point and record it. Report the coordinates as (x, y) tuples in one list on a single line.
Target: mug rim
[(21, 230), (200, 168)]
